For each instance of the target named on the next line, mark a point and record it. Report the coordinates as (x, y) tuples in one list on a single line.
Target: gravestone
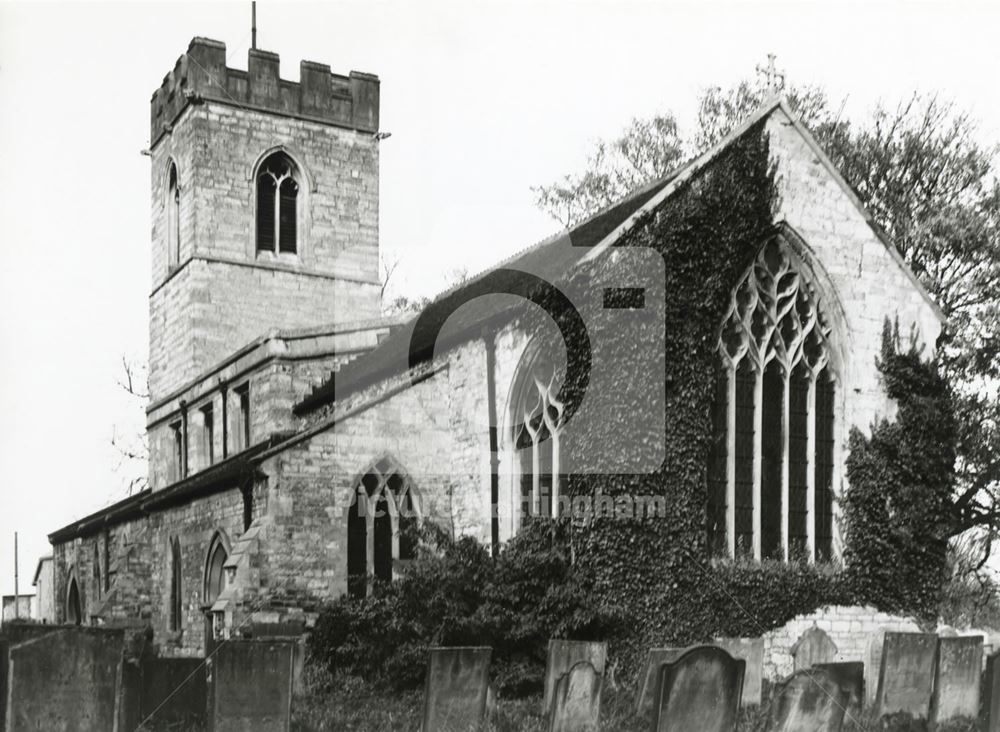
[(173, 692), (647, 682), (851, 677), (812, 648), (956, 685), (576, 703), (810, 700), (700, 691), (67, 681), (750, 650), (4, 648), (991, 690), (563, 655), (456, 688), (250, 686), (873, 662), (906, 675)]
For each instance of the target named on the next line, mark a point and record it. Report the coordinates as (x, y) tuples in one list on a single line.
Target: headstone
[(647, 688), (250, 686), (173, 692), (906, 675), (65, 681), (563, 655), (956, 686), (700, 691), (851, 677), (873, 662), (576, 704), (810, 700), (991, 689), (812, 648), (750, 650), (456, 689)]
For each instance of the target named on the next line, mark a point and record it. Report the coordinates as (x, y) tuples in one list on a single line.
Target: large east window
[(771, 465)]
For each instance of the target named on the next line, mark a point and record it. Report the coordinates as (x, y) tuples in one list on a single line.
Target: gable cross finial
[(774, 80)]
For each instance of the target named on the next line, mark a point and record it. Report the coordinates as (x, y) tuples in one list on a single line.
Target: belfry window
[(381, 526), (770, 472), (277, 205), (537, 421), (173, 208)]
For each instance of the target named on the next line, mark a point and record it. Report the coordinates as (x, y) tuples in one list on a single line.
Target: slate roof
[(550, 259), (553, 259)]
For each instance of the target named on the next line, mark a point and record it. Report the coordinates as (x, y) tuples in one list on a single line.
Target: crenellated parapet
[(201, 74)]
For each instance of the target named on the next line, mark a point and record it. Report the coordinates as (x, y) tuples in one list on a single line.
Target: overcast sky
[(483, 100)]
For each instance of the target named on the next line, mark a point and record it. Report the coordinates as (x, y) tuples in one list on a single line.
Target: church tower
[(264, 206)]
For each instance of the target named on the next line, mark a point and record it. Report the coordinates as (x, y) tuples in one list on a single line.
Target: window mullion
[(811, 469), (731, 459), (785, 430), (758, 419)]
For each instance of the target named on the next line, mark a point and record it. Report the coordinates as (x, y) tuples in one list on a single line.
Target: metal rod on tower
[(16, 593), (253, 25)]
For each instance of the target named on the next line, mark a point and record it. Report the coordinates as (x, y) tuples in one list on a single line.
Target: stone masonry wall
[(223, 293), (140, 569)]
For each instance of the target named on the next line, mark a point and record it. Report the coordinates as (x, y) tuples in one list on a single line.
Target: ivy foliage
[(646, 580), (898, 510)]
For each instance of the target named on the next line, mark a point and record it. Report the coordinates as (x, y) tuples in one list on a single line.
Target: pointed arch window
[(97, 569), (277, 186), (173, 207), (215, 575), (176, 603), (74, 610), (381, 525), (537, 425), (770, 477)]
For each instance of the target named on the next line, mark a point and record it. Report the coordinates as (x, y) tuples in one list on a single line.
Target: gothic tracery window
[(277, 204), (537, 423), (381, 524), (770, 473)]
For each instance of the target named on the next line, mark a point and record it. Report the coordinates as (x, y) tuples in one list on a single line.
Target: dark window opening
[(357, 545), (382, 540), (215, 576), (772, 439), (824, 465), (74, 611), (208, 435), (241, 434), (176, 617), (745, 387), (177, 454), (173, 218), (798, 463)]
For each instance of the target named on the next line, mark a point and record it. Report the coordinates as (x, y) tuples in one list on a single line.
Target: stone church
[(293, 440)]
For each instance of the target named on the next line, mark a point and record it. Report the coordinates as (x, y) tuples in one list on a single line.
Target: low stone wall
[(851, 628)]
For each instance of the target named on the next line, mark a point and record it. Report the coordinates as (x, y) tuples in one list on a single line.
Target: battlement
[(201, 74)]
